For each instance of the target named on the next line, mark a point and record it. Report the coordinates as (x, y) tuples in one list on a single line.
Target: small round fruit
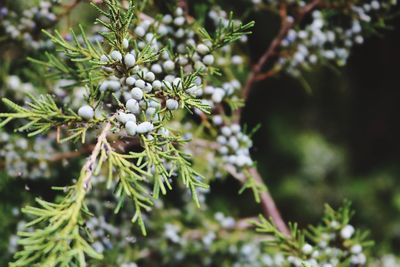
[(208, 60), (133, 106), (145, 127), (137, 93), (86, 112), (150, 77), (203, 49), (172, 104), (129, 60), (169, 65), (131, 128), (116, 55), (130, 81)]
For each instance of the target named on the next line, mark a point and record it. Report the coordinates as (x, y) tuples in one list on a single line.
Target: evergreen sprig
[(227, 33), (252, 184), (288, 244), (331, 233), (60, 242), (57, 241), (130, 171), (42, 114), (163, 150), (80, 50), (182, 91), (118, 21)]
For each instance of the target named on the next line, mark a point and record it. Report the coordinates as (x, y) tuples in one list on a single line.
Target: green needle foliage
[(42, 115), (227, 33), (56, 238), (316, 244)]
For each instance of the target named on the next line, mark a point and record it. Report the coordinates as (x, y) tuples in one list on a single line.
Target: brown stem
[(269, 207), (267, 74), (184, 5), (120, 145), (285, 26), (255, 74), (267, 202), (72, 154), (90, 164)]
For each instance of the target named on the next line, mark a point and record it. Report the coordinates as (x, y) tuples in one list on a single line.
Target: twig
[(267, 74), (89, 166), (185, 7), (285, 26), (269, 205), (255, 74), (267, 202), (72, 154), (183, 4)]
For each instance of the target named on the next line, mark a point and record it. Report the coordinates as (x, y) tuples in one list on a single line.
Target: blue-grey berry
[(156, 68), (217, 120), (167, 19), (154, 104), (208, 60), (150, 112), (177, 82), (125, 43), (131, 128), (226, 131), (130, 81), (121, 117), (145, 127), (202, 49), (157, 85), (147, 88), (130, 117), (86, 112), (140, 31), (223, 150), (179, 21), (129, 60), (172, 104), (199, 66), (222, 140), (140, 83), (149, 76), (169, 65), (235, 128), (114, 85), (218, 95), (116, 55), (104, 58), (137, 93), (133, 106), (103, 86)]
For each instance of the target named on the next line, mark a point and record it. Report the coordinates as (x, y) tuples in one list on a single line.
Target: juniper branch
[(61, 222), (255, 74), (42, 115)]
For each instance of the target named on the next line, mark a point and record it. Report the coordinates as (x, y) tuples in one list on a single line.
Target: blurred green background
[(341, 141)]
